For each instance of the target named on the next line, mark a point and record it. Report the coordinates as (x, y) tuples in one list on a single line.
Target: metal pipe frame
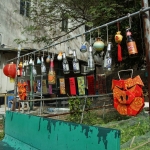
[(89, 31), (64, 98)]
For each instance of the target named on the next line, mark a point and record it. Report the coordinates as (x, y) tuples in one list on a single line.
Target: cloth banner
[(101, 83), (44, 86), (72, 86), (91, 88), (50, 90), (35, 86), (62, 86), (81, 85)]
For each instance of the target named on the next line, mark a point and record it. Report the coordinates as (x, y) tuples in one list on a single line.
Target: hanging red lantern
[(10, 70)]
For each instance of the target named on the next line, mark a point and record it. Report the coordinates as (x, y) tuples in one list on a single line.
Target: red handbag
[(128, 94)]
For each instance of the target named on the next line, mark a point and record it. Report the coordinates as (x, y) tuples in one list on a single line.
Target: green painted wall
[(49, 134)]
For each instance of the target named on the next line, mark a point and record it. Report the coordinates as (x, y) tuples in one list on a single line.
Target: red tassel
[(119, 53)]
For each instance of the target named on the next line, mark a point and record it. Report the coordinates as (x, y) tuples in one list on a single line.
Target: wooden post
[(146, 26)]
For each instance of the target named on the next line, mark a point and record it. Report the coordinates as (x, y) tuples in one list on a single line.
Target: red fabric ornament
[(119, 53), (72, 86), (91, 89), (10, 70), (118, 39), (128, 95), (22, 90)]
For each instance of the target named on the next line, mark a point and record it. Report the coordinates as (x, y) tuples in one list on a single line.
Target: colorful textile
[(91, 88), (62, 86), (44, 86), (102, 83), (72, 86), (128, 96), (22, 90), (81, 85)]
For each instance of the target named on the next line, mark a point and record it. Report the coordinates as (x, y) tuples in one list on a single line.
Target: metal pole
[(72, 97), (16, 79), (31, 85), (93, 29), (146, 26)]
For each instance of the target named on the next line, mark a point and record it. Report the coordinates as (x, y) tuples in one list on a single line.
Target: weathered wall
[(11, 26)]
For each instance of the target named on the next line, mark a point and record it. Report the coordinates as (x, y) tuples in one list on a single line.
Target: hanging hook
[(130, 20), (34, 56), (90, 38), (98, 31), (43, 54), (118, 26), (107, 32)]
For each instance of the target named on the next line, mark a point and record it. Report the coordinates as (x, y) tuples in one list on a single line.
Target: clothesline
[(89, 31)]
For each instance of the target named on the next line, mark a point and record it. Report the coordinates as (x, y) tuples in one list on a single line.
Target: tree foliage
[(47, 15)]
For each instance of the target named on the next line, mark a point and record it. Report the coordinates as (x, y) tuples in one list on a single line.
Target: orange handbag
[(128, 95)]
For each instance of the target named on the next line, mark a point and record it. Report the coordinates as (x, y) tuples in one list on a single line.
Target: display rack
[(31, 96)]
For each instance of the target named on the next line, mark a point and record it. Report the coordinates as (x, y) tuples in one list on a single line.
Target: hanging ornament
[(59, 57), (91, 64), (38, 60), (20, 66), (75, 62), (34, 69), (118, 39), (83, 47), (65, 64), (131, 45), (10, 70), (51, 73), (98, 44), (48, 59), (70, 51), (108, 58), (27, 70), (31, 61), (18, 72), (43, 67)]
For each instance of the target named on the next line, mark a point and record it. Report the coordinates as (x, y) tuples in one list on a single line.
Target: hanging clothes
[(81, 85), (91, 87), (62, 86), (72, 86)]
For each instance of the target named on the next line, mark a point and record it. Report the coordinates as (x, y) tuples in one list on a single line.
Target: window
[(25, 7), (64, 24)]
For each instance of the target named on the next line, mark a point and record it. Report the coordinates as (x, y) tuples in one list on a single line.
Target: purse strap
[(125, 71)]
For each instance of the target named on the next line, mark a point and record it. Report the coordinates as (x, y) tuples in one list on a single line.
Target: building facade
[(14, 17)]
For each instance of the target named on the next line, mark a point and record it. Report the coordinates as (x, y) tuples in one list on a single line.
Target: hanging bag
[(128, 94)]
